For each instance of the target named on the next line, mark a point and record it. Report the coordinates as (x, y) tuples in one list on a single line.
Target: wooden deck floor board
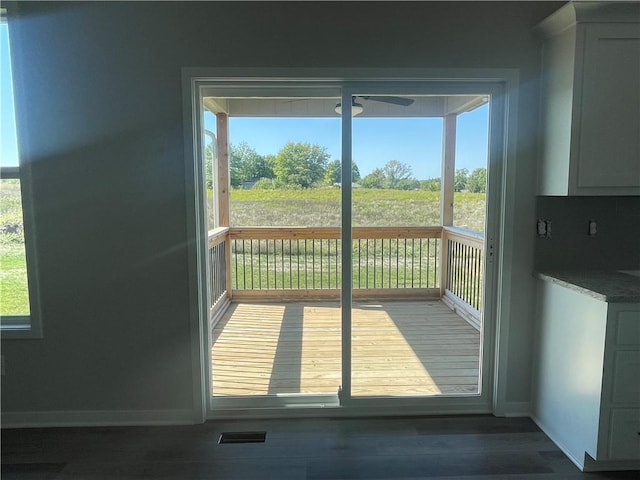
[(398, 348)]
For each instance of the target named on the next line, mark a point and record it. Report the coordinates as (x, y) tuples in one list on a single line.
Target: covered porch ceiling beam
[(462, 103), (216, 105), (425, 106)]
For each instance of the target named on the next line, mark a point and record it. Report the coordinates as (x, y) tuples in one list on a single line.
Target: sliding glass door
[(350, 225), (278, 342), (417, 330)]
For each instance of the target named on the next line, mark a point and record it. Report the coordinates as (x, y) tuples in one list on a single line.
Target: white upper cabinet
[(590, 112)]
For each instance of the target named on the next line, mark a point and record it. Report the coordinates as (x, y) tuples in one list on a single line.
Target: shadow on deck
[(398, 348)]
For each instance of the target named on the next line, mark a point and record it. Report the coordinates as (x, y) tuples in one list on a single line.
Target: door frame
[(498, 235)]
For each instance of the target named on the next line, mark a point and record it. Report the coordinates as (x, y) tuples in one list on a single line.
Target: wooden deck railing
[(388, 262), (217, 258), (463, 278), (305, 261), (396, 258)]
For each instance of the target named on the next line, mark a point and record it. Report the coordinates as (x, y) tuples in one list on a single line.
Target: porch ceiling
[(423, 106)]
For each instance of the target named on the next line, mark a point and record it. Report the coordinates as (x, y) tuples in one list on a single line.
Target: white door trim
[(502, 227)]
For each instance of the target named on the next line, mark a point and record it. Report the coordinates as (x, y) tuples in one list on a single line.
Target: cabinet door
[(610, 113), (624, 434), (626, 375)]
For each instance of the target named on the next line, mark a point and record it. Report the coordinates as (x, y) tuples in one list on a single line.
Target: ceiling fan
[(357, 108), (402, 101)]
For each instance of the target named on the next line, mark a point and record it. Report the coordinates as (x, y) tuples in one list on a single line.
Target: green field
[(320, 207), (384, 264), (316, 264), (14, 299)]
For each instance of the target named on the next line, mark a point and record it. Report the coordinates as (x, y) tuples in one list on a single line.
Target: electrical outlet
[(543, 228), (593, 228)]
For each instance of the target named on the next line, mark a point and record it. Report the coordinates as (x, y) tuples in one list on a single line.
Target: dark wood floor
[(461, 447)]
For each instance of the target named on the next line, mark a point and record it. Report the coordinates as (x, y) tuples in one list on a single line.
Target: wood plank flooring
[(436, 448), (398, 348)]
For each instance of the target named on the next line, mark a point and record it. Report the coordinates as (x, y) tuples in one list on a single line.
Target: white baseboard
[(585, 463), (590, 465), (95, 418)]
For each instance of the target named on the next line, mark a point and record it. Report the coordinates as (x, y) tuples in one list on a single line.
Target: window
[(17, 319)]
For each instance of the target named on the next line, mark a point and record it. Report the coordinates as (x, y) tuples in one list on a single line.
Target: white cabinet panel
[(624, 434), (586, 382), (609, 151), (628, 328), (626, 377), (590, 97)]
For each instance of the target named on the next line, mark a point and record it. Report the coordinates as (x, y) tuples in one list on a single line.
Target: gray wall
[(99, 104), (616, 244)]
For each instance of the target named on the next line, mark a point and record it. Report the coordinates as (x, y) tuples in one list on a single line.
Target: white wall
[(99, 105)]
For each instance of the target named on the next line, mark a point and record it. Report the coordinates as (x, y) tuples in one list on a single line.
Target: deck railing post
[(223, 184), (447, 189), (444, 260), (447, 186)]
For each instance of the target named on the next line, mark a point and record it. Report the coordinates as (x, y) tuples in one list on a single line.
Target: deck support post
[(344, 394), (223, 187), (447, 188)]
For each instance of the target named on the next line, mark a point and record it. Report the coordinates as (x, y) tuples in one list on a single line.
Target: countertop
[(609, 286)]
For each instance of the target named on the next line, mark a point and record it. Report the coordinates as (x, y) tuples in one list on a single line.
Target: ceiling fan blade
[(402, 101)]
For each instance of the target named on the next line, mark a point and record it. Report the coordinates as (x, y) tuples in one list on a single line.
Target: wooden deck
[(398, 348)]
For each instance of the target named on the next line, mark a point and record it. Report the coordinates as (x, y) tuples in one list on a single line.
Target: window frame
[(23, 326)]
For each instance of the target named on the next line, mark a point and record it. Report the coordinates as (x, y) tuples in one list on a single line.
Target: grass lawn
[(313, 264), (387, 265), (317, 207), (14, 298), (320, 207)]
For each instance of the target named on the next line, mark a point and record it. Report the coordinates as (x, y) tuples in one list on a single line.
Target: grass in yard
[(316, 264), (469, 211), (321, 207), (14, 297), (388, 265)]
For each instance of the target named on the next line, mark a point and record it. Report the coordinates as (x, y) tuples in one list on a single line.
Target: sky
[(414, 141), (8, 143)]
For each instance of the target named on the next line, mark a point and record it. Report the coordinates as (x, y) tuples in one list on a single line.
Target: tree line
[(306, 165)]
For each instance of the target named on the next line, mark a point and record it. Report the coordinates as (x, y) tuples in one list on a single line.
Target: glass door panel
[(279, 342), (406, 237), (406, 338)]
